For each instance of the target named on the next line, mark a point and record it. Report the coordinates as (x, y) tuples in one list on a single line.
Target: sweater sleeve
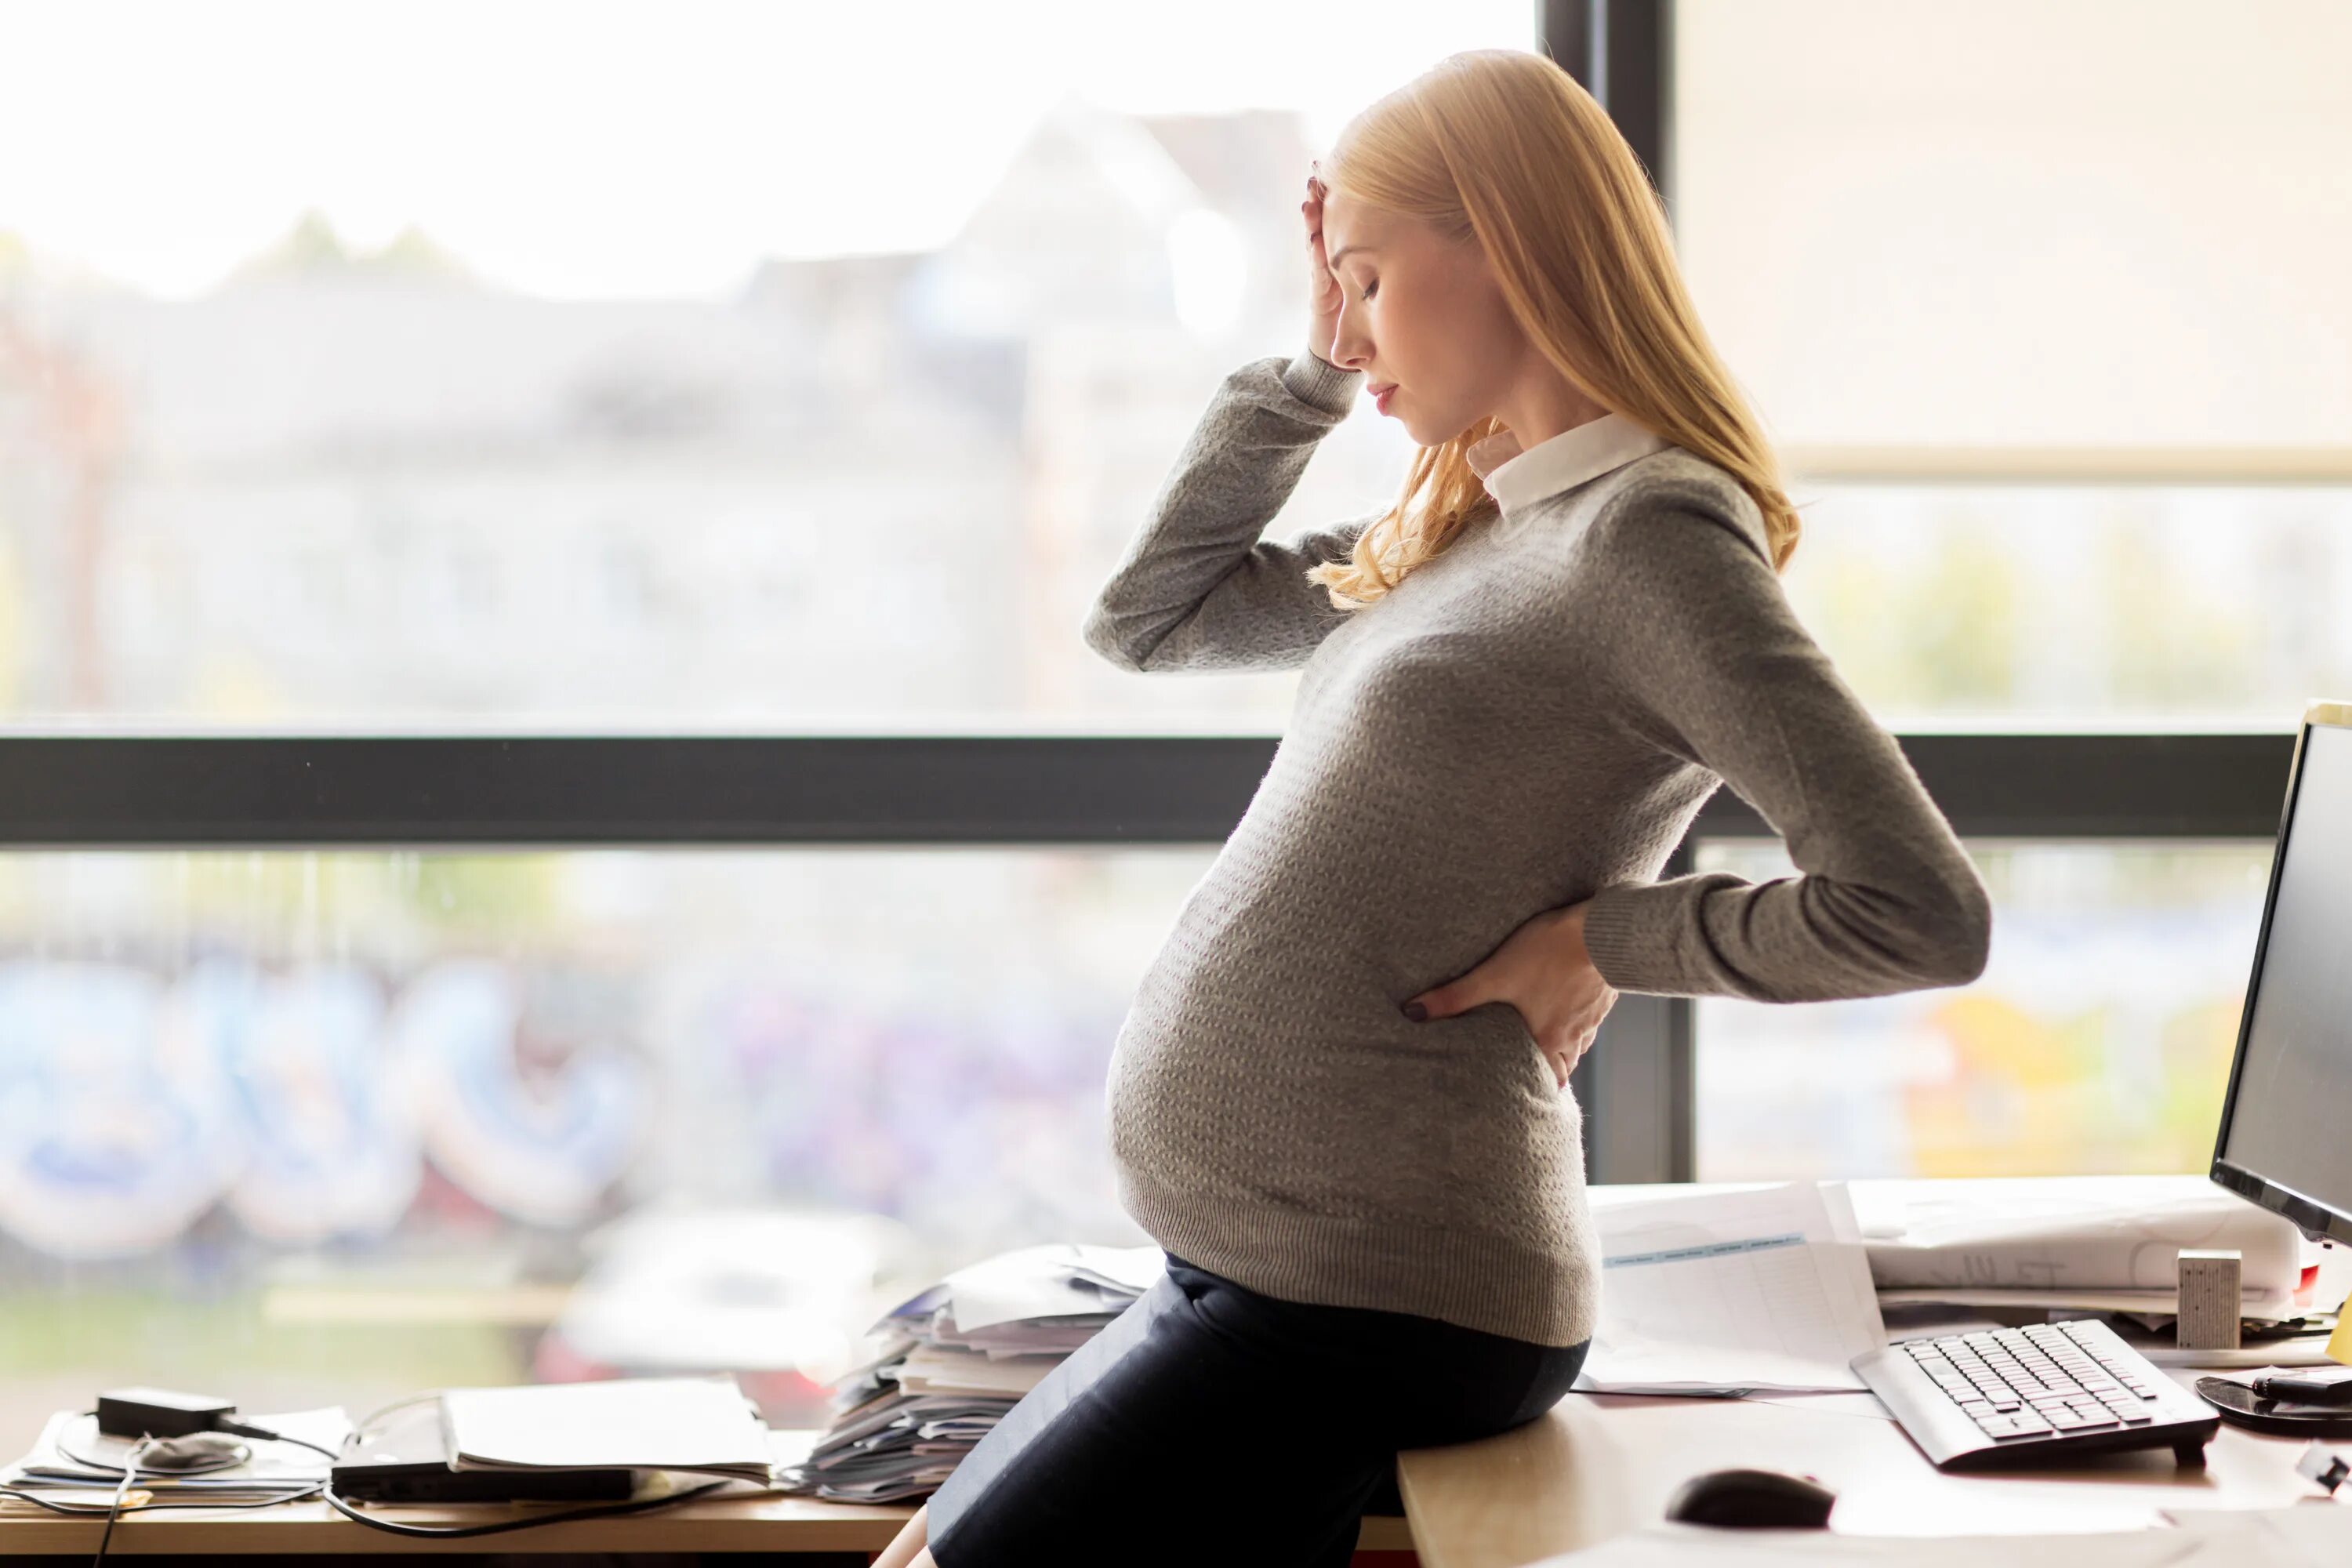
[(1197, 589), (1721, 673)]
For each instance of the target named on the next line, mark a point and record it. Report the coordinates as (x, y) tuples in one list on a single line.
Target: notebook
[(695, 1424)]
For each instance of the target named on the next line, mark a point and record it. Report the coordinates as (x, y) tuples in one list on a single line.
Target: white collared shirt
[(1517, 479)]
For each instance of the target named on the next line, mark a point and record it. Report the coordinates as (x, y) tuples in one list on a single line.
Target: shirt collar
[(1519, 479)]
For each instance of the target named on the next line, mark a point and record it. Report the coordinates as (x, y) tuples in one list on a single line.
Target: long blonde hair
[(1505, 147)]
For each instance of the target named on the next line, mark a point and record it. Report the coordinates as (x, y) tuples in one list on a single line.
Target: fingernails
[(1416, 1012)]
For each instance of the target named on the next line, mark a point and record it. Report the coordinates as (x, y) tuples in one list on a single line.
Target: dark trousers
[(1210, 1422)]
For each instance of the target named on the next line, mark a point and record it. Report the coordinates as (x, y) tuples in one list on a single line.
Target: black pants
[(1211, 1423)]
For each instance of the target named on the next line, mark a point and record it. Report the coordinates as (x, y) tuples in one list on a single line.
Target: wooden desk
[(752, 1523), (1599, 1465)]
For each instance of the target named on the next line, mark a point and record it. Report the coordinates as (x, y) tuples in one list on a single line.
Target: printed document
[(1731, 1292)]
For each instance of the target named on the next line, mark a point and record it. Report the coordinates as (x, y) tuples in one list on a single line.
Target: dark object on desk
[(159, 1412), (2042, 1394), (2281, 1143), (1751, 1500), (2240, 1405), (404, 1458), (2307, 1386)]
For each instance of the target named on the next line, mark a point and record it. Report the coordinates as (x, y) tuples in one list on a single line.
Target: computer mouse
[(1752, 1499)]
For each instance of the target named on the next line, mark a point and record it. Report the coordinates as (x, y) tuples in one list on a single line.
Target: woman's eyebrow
[(1333, 259)]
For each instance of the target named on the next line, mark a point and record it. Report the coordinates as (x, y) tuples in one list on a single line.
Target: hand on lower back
[(1543, 969)]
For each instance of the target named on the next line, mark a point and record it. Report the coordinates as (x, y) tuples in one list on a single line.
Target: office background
[(551, 784)]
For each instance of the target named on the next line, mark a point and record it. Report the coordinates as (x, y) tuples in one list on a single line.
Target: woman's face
[(1422, 317)]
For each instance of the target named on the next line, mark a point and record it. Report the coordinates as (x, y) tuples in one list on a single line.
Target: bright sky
[(589, 148)]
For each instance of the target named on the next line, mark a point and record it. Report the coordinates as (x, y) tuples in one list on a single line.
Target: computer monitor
[(2285, 1141)]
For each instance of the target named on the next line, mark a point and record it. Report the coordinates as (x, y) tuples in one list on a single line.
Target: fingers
[(1445, 1001), (1438, 1001)]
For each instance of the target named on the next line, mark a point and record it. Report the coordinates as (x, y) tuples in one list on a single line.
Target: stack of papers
[(954, 1358), (2101, 1243), (75, 1465), (1763, 1290)]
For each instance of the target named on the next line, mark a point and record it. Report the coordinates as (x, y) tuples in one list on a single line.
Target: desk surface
[(751, 1522), (1595, 1465), (1599, 1465)]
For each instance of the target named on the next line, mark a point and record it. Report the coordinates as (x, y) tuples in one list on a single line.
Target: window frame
[(1639, 1082), (1109, 791), (143, 789)]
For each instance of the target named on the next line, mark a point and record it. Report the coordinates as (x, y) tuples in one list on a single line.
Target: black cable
[(450, 1531), (91, 1511), (239, 1429), (220, 1462), (326, 1491), (122, 1490), (131, 1469), (351, 1512)]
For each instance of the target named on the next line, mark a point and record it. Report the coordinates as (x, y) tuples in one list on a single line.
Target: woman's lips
[(1381, 396)]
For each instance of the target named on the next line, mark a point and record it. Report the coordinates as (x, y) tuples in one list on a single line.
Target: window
[(373, 1114), (639, 368), (2097, 1040), (722, 362), (2043, 305)]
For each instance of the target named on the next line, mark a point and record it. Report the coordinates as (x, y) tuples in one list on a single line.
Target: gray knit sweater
[(1529, 720)]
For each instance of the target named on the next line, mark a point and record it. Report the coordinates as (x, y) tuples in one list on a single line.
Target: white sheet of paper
[(1695, 1546), (1764, 1288), (671, 1424), (1057, 1279)]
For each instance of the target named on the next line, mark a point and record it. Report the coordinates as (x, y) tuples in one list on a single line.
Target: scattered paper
[(1058, 1279), (1732, 1292), (72, 1457), (2274, 1538)]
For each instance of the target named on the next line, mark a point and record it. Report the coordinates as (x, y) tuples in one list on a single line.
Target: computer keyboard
[(2037, 1394)]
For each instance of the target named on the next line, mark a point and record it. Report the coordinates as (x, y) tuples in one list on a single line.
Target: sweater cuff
[(1315, 381), (1628, 935)]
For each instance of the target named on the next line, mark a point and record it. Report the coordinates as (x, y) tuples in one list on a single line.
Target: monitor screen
[(2288, 1122)]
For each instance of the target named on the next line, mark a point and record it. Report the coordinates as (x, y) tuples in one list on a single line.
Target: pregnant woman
[(1340, 1102)]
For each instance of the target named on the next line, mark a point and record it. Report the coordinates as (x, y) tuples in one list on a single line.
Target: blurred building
[(363, 486)]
